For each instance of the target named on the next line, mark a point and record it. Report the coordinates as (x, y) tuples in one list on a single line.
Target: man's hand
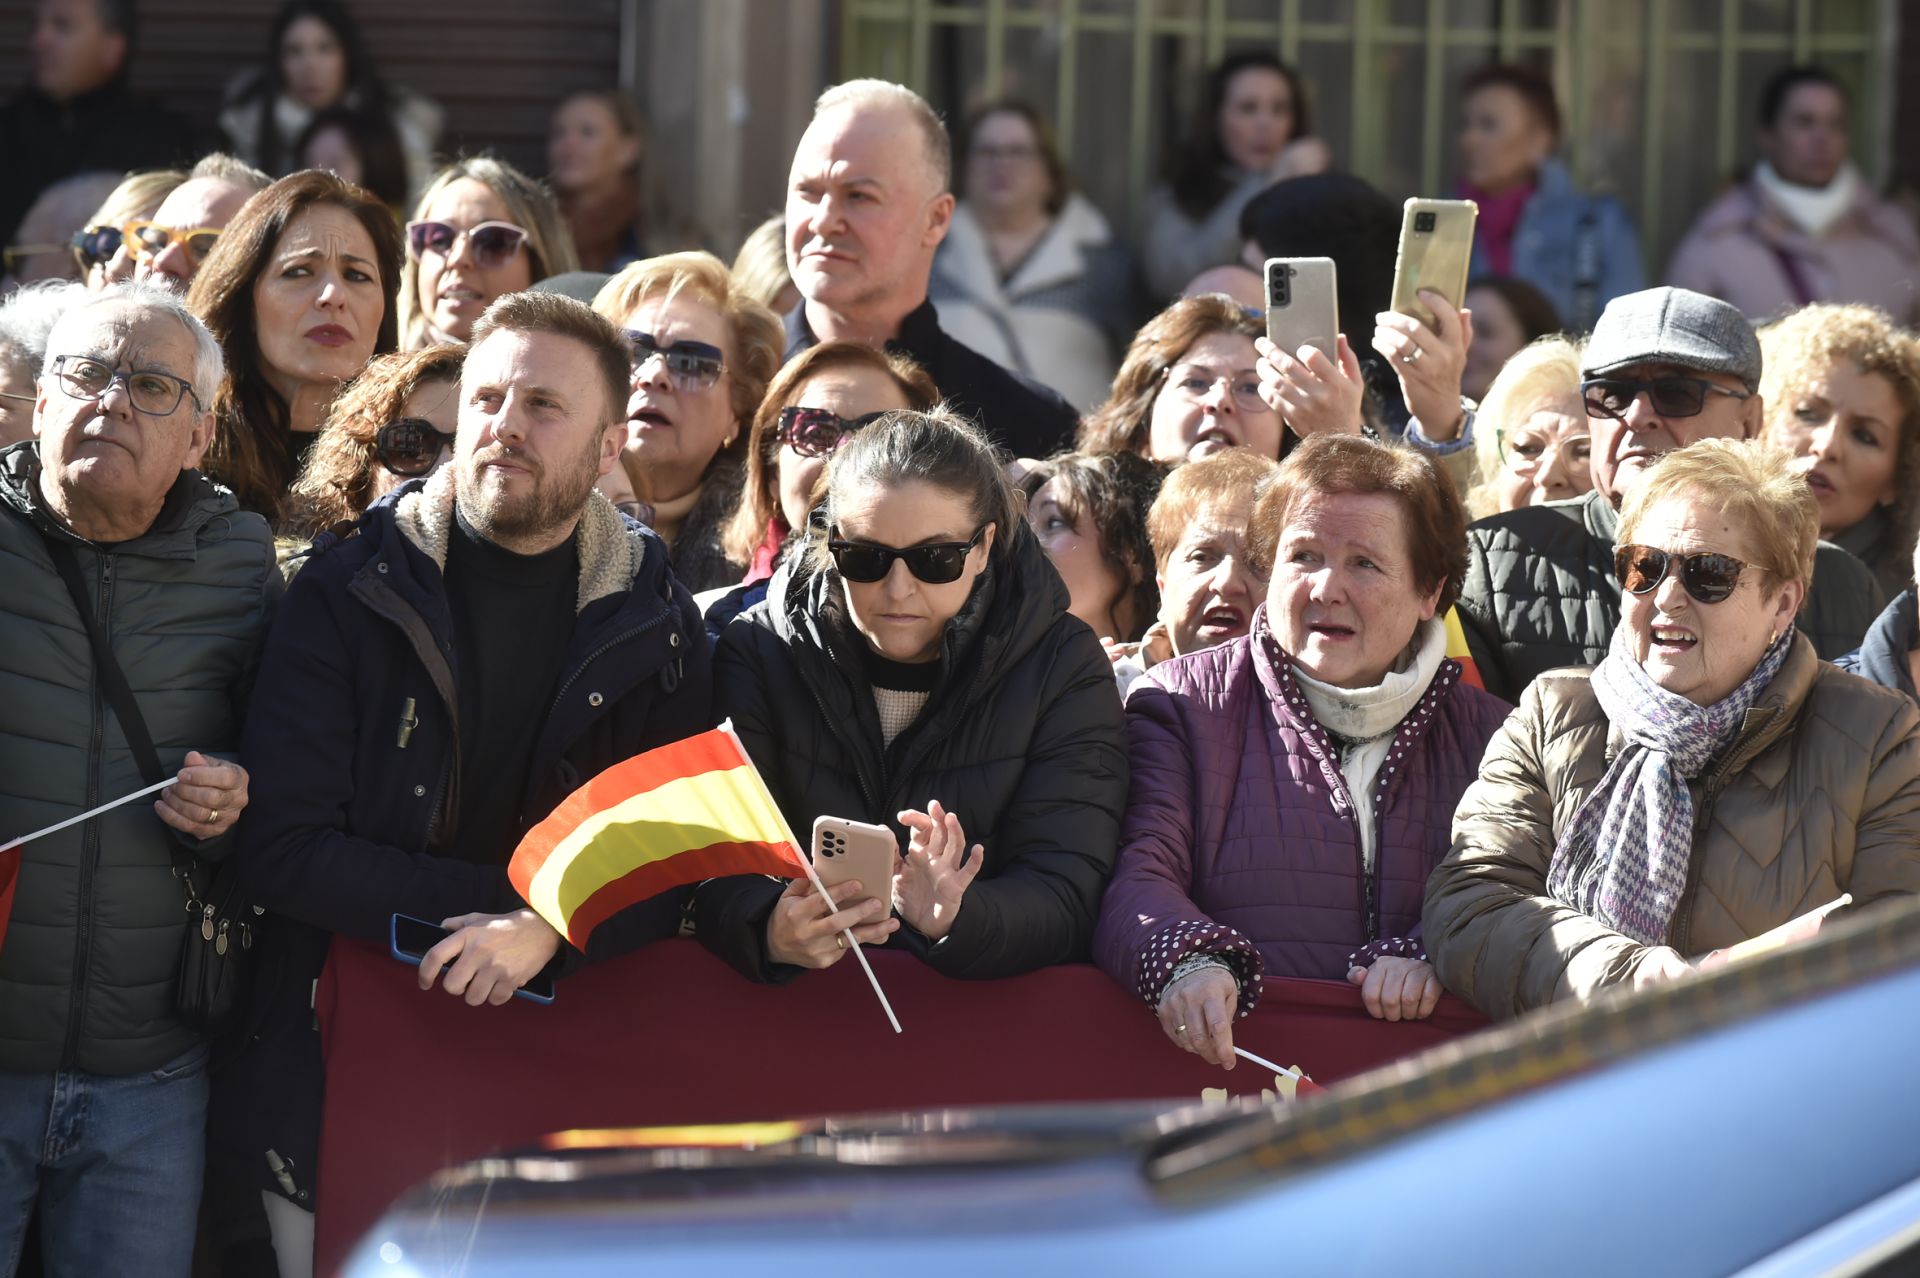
[(805, 931), (1429, 364), (1196, 1012), (929, 882), (1397, 989), (207, 798), (492, 955)]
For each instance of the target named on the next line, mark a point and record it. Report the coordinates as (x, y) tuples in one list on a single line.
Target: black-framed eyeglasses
[(493, 243), (410, 446), (154, 393), (816, 432), (691, 366), (95, 245), (1195, 382), (934, 562), (1710, 578), (1670, 396)]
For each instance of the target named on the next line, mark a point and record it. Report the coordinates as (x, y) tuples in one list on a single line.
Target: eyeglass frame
[(848, 426), (1645, 386), (1500, 446), (1166, 376), (1672, 560), (13, 254), (836, 545), (114, 377), (452, 250), (85, 233), (685, 348), (139, 248)]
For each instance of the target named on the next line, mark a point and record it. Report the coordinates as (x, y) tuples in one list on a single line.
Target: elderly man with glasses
[(137, 603), (1665, 367)]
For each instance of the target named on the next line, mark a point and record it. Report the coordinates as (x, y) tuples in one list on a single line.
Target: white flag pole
[(813, 876), (1244, 1054), (88, 815)]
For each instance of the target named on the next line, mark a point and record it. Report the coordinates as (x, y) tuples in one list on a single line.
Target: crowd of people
[(1556, 646)]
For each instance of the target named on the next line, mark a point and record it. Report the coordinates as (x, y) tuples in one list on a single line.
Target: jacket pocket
[(189, 1065)]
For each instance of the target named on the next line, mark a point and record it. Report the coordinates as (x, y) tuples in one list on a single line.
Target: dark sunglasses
[(934, 562), (93, 245), (1709, 578), (1670, 396), (816, 432), (493, 243), (150, 239), (410, 447), (691, 366)]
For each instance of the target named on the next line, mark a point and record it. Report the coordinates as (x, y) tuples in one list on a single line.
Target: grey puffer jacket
[(93, 943), (1540, 593)]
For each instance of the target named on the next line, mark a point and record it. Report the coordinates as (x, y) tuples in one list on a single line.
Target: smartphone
[(412, 938), (1303, 307), (844, 850), (1436, 249)]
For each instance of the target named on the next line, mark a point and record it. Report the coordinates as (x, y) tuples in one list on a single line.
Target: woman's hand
[(1309, 391), (1429, 364), (492, 955), (1299, 158), (930, 881), (805, 931), (207, 798), (1659, 965), (1197, 1010), (1397, 989)]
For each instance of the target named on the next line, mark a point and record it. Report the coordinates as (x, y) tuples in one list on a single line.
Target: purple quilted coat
[(1240, 838)]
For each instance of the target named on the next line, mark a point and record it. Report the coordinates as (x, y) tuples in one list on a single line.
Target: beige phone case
[(1303, 307), (844, 850), (1436, 250)]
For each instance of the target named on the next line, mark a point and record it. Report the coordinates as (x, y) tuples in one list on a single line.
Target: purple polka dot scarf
[(1623, 859)]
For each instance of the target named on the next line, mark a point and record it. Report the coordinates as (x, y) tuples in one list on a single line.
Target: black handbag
[(214, 958)]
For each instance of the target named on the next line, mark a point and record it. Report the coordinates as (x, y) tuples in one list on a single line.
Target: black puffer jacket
[(1540, 593), (93, 945), (1023, 740)]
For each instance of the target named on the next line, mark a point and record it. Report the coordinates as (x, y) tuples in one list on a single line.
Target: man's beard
[(558, 496)]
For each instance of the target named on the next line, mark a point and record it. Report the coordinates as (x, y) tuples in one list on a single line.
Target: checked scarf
[(1623, 859)]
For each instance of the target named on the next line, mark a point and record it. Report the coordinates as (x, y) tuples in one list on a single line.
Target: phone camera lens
[(1423, 223)]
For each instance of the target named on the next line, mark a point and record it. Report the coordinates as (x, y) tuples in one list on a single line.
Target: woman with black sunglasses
[(917, 668), (393, 423), (1710, 781)]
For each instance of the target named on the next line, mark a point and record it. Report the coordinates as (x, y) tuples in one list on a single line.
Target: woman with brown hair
[(703, 354), (395, 422), (1188, 388), (594, 145), (299, 291), (812, 406)]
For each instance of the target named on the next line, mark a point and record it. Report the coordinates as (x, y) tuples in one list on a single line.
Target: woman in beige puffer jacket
[(1808, 788)]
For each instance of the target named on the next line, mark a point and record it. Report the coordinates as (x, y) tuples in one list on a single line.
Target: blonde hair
[(760, 495), (1752, 483), (1548, 367), (530, 206), (760, 267), (936, 145), (138, 196), (1799, 347)]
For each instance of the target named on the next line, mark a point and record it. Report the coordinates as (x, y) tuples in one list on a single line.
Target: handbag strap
[(120, 697)]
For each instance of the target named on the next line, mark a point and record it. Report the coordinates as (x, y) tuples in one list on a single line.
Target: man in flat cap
[(1665, 368)]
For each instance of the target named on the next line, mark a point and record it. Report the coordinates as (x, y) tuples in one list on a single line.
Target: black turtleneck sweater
[(512, 620)]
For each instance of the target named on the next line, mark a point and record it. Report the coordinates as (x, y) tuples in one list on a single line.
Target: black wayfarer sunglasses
[(934, 562), (410, 447)]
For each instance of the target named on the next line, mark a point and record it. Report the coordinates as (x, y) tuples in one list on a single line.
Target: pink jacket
[(1739, 248)]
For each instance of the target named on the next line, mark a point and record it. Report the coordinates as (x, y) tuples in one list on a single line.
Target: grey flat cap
[(579, 285), (1674, 326)]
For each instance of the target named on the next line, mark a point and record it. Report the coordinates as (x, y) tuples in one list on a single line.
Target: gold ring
[(1179, 1029), (213, 814), (840, 939)]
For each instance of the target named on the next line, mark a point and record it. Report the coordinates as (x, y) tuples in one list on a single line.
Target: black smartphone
[(412, 938)]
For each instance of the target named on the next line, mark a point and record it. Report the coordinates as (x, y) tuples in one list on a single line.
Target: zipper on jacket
[(89, 837), (375, 595), (601, 651), (867, 788)]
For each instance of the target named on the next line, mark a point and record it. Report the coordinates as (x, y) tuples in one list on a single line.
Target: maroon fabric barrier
[(671, 1035)]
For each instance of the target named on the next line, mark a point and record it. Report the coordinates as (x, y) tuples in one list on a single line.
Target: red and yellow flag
[(1458, 650), (693, 810)]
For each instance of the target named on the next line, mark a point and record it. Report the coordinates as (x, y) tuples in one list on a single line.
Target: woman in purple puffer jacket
[(1293, 789)]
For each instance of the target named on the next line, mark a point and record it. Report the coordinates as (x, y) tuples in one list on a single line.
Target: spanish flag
[(1458, 650), (693, 810)]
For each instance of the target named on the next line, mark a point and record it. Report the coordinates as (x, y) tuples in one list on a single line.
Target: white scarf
[(1812, 208), (1364, 719)]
